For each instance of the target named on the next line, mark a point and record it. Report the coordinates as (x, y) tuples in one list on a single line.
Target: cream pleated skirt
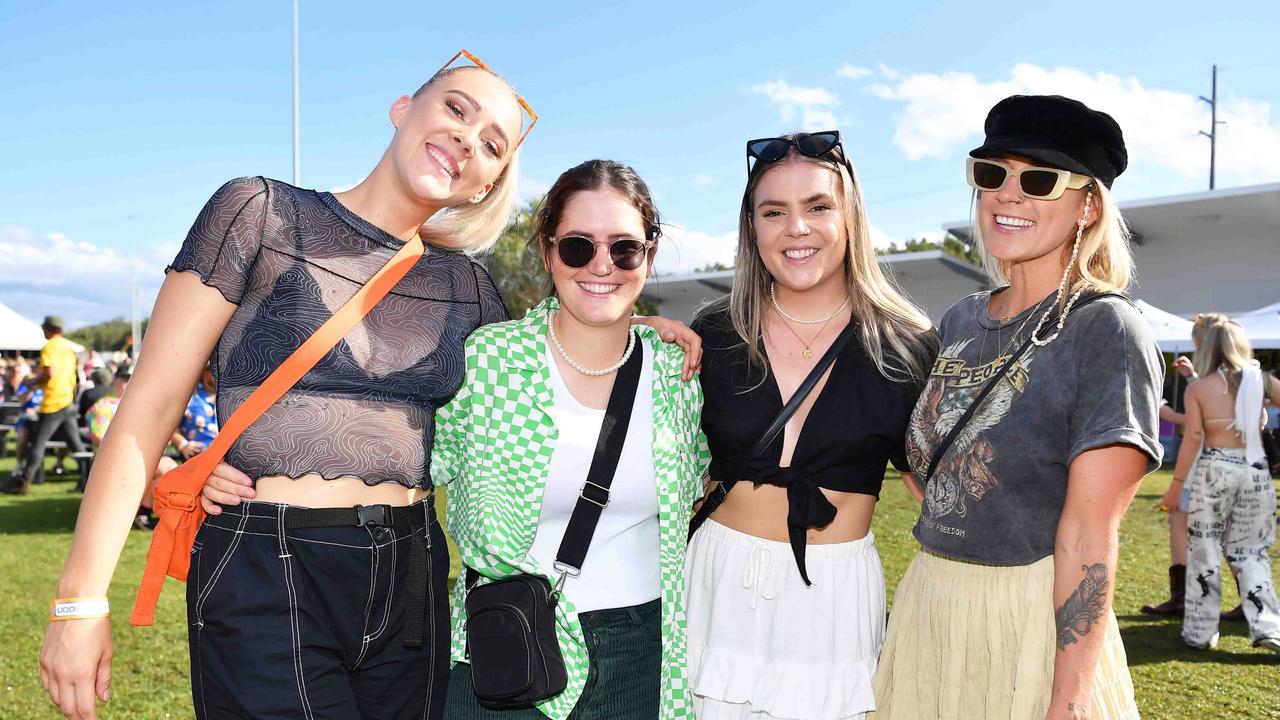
[(978, 641), (764, 646)]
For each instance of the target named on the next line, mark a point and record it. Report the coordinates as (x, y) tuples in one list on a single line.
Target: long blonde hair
[(895, 334), (1220, 344), (474, 228), (1105, 261)]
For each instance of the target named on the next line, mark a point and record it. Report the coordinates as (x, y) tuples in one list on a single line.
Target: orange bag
[(177, 493)]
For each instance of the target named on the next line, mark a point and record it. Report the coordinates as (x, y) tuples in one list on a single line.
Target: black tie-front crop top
[(288, 258), (857, 424)]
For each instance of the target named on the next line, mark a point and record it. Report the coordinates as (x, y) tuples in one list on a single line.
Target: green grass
[(150, 675)]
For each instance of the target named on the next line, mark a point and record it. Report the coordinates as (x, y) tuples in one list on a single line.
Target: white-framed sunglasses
[(1040, 183)]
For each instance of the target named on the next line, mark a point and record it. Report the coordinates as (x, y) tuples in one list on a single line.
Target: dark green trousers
[(625, 647)]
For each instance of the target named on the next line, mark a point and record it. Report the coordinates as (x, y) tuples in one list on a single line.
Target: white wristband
[(78, 609)]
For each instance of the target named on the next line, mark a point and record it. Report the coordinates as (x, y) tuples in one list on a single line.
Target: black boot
[(1177, 593)]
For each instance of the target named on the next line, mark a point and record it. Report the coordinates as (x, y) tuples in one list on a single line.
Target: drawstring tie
[(759, 575)]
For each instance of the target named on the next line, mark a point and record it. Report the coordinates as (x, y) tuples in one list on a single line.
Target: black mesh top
[(289, 258)]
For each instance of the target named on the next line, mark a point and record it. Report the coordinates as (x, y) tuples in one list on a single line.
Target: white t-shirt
[(621, 568)]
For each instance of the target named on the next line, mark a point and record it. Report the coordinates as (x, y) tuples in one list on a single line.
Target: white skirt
[(762, 645)]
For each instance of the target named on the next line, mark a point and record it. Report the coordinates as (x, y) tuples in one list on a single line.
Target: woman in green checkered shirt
[(516, 442)]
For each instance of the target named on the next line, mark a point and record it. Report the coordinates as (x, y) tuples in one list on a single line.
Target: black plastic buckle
[(376, 515), (595, 494)]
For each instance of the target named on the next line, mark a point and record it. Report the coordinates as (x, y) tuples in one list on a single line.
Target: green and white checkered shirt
[(493, 445)]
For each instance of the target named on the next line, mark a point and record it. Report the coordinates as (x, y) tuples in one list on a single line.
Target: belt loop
[(281, 532)]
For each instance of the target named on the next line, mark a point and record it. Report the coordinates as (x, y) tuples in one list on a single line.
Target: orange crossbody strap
[(176, 494)]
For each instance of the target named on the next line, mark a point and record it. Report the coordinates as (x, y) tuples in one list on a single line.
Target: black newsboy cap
[(1058, 131)]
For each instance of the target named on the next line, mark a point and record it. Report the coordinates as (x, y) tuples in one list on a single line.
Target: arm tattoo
[(1084, 607)]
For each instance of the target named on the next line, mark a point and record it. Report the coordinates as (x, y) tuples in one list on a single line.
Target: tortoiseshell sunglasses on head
[(524, 104)]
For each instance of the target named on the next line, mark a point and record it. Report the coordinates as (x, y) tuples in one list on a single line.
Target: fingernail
[(106, 696)]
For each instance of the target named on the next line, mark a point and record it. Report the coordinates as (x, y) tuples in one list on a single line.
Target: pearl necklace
[(626, 355), (773, 297)]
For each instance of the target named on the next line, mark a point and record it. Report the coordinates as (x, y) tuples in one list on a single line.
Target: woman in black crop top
[(786, 593), (302, 603)]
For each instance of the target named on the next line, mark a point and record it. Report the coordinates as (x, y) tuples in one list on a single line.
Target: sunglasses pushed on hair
[(1039, 183), (533, 116), (576, 251), (814, 144)]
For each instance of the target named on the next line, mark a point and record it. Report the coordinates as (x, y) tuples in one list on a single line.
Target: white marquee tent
[(1173, 333), (1262, 327), (19, 333)]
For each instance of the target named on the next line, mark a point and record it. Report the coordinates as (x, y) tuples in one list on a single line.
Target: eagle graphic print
[(964, 474)]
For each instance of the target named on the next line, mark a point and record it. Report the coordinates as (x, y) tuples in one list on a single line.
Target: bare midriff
[(761, 511), (316, 492)]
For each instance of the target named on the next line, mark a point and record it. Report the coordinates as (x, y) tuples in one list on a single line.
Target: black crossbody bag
[(716, 497), (991, 385), (511, 623)]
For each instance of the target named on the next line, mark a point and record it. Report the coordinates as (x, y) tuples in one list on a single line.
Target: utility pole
[(296, 153), (1213, 126)]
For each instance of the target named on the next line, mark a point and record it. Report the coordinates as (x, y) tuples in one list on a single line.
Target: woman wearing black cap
[(1036, 426)]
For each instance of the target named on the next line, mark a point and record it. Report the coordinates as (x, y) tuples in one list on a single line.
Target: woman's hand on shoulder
[(226, 486), (674, 331)]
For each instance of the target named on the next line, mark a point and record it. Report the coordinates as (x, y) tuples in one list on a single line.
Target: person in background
[(199, 424), (29, 399), (101, 379), (57, 376), (1232, 503), (1271, 434), (1172, 410)]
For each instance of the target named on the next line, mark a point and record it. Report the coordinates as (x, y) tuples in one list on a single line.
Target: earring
[(1062, 286)]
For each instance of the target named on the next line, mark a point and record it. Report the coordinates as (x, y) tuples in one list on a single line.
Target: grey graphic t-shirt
[(998, 493)]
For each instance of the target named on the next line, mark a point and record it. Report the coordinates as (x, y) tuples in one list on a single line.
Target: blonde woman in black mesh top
[(287, 619)]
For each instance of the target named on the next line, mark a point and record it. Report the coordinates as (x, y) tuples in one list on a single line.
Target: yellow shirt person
[(59, 356)]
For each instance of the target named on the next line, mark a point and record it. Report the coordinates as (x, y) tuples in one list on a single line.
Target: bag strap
[(798, 397), (594, 496), (312, 350), (986, 390), (721, 491)]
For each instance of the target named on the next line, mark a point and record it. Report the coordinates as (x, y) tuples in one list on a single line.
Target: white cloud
[(703, 180), (682, 250), (853, 72), (812, 107), (943, 113), (888, 72), (880, 239), (50, 273)]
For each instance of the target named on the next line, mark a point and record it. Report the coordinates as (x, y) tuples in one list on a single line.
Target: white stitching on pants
[(391, 591), (374, 559), (217, 571), (430, 628), (293, 615)]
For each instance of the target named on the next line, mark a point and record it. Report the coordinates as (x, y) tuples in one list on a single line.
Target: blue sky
[(119, 120)]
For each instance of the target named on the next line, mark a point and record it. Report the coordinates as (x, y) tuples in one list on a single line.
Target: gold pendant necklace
[(807, 353)]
